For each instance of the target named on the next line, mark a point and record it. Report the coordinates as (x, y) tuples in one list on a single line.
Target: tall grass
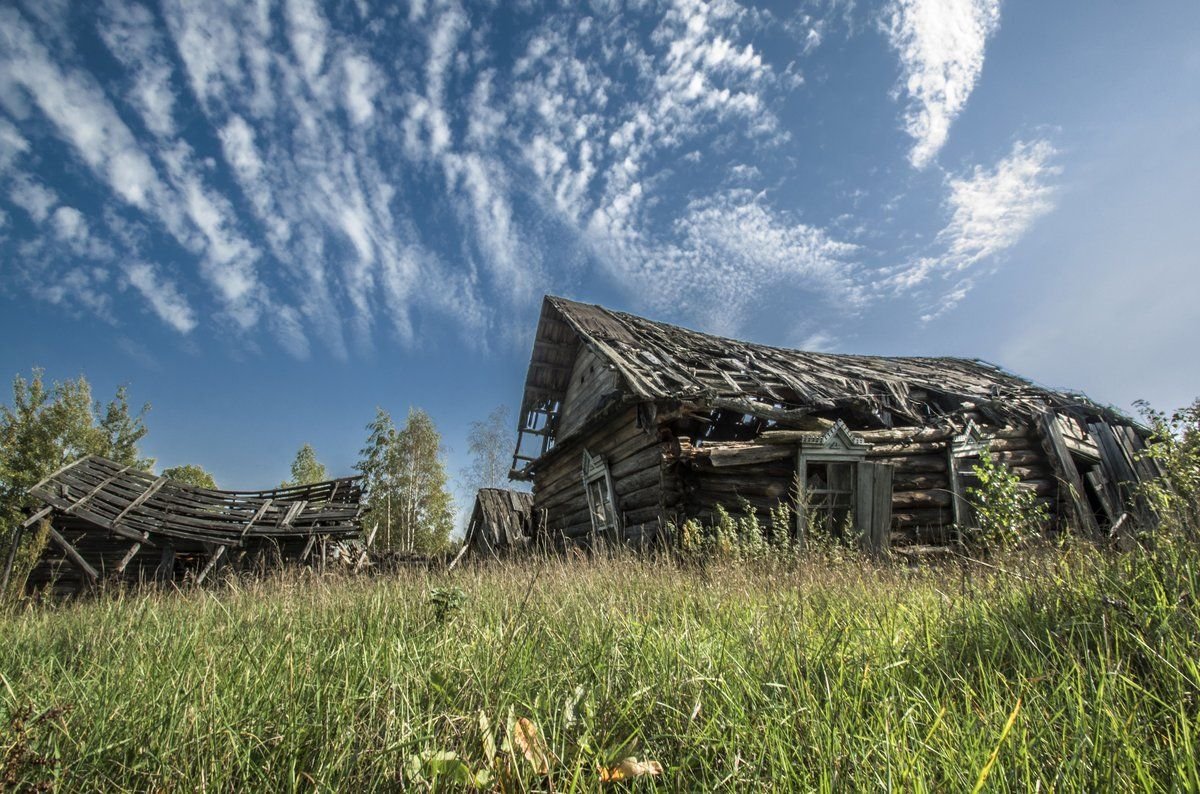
[(1067, 671)]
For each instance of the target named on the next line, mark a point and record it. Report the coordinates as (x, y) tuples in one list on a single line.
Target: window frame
[(970, 443), (596, 471), (836, 445)]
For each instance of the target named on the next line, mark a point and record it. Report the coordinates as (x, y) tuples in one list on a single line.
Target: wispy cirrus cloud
[(334, 178), (162, 295), (941, 46), (991, 209)]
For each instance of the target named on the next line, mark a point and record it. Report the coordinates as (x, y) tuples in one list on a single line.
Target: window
[(602, 506), (964, 452), (829, 486), (840, 491)]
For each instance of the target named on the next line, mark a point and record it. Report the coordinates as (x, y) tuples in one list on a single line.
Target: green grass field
[(1080, 673)]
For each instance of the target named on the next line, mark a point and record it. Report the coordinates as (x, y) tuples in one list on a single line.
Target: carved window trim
[(837, 445), (963, 447), (601, 497)]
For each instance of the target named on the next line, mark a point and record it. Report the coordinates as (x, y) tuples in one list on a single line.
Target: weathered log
[(744, 455), (902, 500)]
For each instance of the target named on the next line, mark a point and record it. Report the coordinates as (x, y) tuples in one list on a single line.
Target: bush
[(1007, 513), (1175, 447)]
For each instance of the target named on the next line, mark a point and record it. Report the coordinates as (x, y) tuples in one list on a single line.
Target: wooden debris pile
[(501, 520), (114, 522)]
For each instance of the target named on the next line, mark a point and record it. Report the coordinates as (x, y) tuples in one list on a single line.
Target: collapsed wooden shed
[(628, 427), (114, 522), (501, 520)]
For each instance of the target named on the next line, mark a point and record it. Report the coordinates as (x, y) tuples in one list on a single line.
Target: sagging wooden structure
[(502, 520), (628, 427), (109, 522)]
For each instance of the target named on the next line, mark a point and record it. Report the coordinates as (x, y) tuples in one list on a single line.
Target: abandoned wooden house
[(502, 520), (628, 427), (112, 522)]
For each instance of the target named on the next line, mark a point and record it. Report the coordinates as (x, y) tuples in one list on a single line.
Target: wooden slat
[(154, 486), (128, 558), (257, 515), (1064, 465), (88, 497), (73, 555)]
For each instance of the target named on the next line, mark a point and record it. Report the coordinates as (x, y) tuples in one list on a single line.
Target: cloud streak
[(991, 209), (941, 46)]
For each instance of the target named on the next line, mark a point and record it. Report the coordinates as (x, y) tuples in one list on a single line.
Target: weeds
[(742, 675)]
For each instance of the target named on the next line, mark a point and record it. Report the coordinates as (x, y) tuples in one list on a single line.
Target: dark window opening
[(829, 487)]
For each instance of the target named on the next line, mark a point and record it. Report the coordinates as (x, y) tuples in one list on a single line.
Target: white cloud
[(12, 145), (32, 196), (69, 224), (163, 296), (991, 209), (941, 47), (130, 32), (360, 88)]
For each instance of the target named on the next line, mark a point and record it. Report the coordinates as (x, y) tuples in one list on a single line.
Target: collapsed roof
[(661, 362), (151, 512)]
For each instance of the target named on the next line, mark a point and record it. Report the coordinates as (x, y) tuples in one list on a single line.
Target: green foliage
[(48, 426), (191, 474), (740, 535), (405, 479), (1006, 513), (446, 602), (306, 469), (1175, 446), (813, 677)]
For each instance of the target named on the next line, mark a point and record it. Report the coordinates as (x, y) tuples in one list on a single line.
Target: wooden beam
[(129, 555), (1064, 466), (12, 555), (59, 471), (257, 515), (293, 510), (212, 563), (146, 494), (312, 539), (73, 555), (36, 517), (88, 497)]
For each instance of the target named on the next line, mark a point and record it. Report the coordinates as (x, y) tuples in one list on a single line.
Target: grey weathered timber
[(96, 506), (74, 556), (685, 422), (1064, 466)]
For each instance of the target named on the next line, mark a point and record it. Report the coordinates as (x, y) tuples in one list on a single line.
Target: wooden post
[(212, 563), (73, 555), (129, 555), (1064, 466), (166, 563), (12, 556)]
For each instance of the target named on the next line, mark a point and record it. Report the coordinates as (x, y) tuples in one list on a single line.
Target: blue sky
[(268, 219)]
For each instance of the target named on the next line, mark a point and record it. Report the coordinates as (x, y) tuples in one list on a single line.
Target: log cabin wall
[(763, 471), (922, 494), (634, 456), (720, 473), (716, 406), (591, 381)]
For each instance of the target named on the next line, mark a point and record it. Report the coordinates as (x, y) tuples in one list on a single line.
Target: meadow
[(1044, 670)]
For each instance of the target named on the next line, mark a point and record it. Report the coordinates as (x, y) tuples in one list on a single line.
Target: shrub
[(1006, 513), (1175, 446)]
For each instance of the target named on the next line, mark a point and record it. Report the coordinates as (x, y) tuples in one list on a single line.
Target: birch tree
[(405, 480)]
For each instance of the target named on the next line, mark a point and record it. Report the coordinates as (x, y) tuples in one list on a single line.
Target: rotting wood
[(212, 563), (74, 556), (103, 503), (1064, 466)]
